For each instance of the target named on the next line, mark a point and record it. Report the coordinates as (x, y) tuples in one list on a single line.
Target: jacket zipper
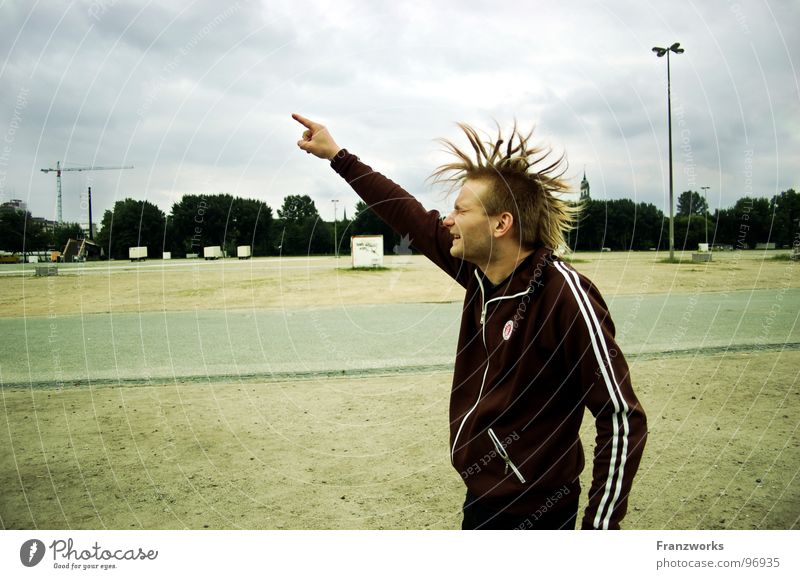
[(486, 349), (504, 455)]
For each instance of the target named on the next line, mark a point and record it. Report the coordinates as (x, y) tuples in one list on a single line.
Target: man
[(536, 345)]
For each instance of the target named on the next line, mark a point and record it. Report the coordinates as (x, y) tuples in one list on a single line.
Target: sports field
[(295, 393)]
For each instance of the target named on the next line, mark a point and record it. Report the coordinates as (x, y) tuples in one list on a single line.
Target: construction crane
[(58, 169)]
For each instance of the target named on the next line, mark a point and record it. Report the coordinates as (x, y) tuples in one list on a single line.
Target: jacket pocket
[(498, 446)]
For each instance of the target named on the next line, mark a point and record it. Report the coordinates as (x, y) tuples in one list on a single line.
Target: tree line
[(621, 224), (20, 233), (197, 221)]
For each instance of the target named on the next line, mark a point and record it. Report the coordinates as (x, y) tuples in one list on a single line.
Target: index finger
[(308, 123)]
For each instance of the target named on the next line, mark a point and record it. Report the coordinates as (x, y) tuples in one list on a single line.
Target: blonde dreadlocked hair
[(522, 182)]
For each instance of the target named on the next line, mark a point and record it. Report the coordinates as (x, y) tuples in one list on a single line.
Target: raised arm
[(389, 201)]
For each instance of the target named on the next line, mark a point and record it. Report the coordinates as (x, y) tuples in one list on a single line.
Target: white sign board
[(367, 250)]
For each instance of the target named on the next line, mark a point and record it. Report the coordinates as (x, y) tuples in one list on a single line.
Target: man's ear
[(505, 222)]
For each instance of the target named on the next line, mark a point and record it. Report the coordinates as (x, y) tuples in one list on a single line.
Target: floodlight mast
[(661, 52), (705, 213), (335, 242)]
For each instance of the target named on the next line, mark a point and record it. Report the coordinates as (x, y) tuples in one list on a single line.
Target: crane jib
[(58, 169)]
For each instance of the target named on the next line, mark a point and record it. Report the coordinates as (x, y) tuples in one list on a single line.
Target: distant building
[(46, 224), (20, 205), (584, 187), (17, 204), (85, 230)]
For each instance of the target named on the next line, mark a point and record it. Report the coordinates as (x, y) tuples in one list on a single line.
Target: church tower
[(584, 187)]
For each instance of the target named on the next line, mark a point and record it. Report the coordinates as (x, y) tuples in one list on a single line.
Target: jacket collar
[(527, 274)]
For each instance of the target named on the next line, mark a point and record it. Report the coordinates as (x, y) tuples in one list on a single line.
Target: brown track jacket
[(533, 352)]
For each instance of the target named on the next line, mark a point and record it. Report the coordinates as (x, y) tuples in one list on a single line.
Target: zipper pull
[(504, 455), (516, 471)]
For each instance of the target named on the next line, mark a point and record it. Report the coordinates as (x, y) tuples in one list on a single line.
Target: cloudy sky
[(198, 96)]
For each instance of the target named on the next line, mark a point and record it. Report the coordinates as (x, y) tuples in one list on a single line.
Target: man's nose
[(447, 221)]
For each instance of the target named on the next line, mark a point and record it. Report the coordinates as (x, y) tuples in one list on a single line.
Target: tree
[(619, 225), (298, 209), (754, 219), (198, 221), (725, 228), (19, 232), (621, 222), (652, 230), (63, 232), (692, 203), (132, 223), (250, 224), (367, 222), (690, 231), (785, 210), (300, 231), (589, 232)]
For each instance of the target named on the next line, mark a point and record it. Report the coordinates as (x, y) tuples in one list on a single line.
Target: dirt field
[(324, 282), (371, 452)]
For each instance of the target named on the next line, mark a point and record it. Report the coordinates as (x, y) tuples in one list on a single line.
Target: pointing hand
[(316, 139)]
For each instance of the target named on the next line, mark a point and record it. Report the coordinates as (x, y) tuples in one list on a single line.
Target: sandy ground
[(321, 282), (370, 452)]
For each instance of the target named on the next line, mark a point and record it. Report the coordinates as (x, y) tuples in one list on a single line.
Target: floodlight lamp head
[(659, 51), (676, 48)]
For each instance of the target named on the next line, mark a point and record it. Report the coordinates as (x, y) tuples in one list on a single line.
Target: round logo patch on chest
[(507, 329)]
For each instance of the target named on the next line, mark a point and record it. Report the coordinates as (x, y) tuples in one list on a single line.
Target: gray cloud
[(198, 97)]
